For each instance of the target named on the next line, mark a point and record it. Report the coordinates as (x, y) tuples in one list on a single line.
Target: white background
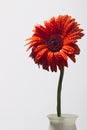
[(27, 93)]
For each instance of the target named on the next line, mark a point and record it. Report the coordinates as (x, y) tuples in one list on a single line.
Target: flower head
[(53, 43)]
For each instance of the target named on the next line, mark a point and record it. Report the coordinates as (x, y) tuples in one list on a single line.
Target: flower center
[(55, 43)]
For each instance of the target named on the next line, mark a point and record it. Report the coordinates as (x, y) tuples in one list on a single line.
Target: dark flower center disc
[(55, 43)]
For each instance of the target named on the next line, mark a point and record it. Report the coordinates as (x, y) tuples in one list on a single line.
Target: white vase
[(65, 122)]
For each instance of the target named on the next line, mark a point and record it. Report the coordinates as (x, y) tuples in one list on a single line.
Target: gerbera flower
[(53, 43)]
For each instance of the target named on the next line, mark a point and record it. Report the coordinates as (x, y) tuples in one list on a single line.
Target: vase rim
[(63, 116)]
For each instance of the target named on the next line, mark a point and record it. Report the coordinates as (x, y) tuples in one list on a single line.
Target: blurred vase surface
[(65, 122)]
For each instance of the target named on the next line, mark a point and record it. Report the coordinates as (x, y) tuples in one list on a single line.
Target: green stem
[(59, 93)]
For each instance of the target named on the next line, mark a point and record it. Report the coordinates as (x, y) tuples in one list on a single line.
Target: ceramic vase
[(65, 122)]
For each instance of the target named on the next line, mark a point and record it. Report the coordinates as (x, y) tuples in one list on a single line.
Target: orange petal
[(59, 23), (68, 21), (38, 48), (72, 57), (53, 25), (76, 33), (45, 66), (57, 56), (34, 43), (34, 38), (53, 67), (60, 61), (76, 49), (64, 55), (50, 57), (40, 31), (47, 25), (68, 41), (70, 26), (68, 49), (30, 45), (40, 54)]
